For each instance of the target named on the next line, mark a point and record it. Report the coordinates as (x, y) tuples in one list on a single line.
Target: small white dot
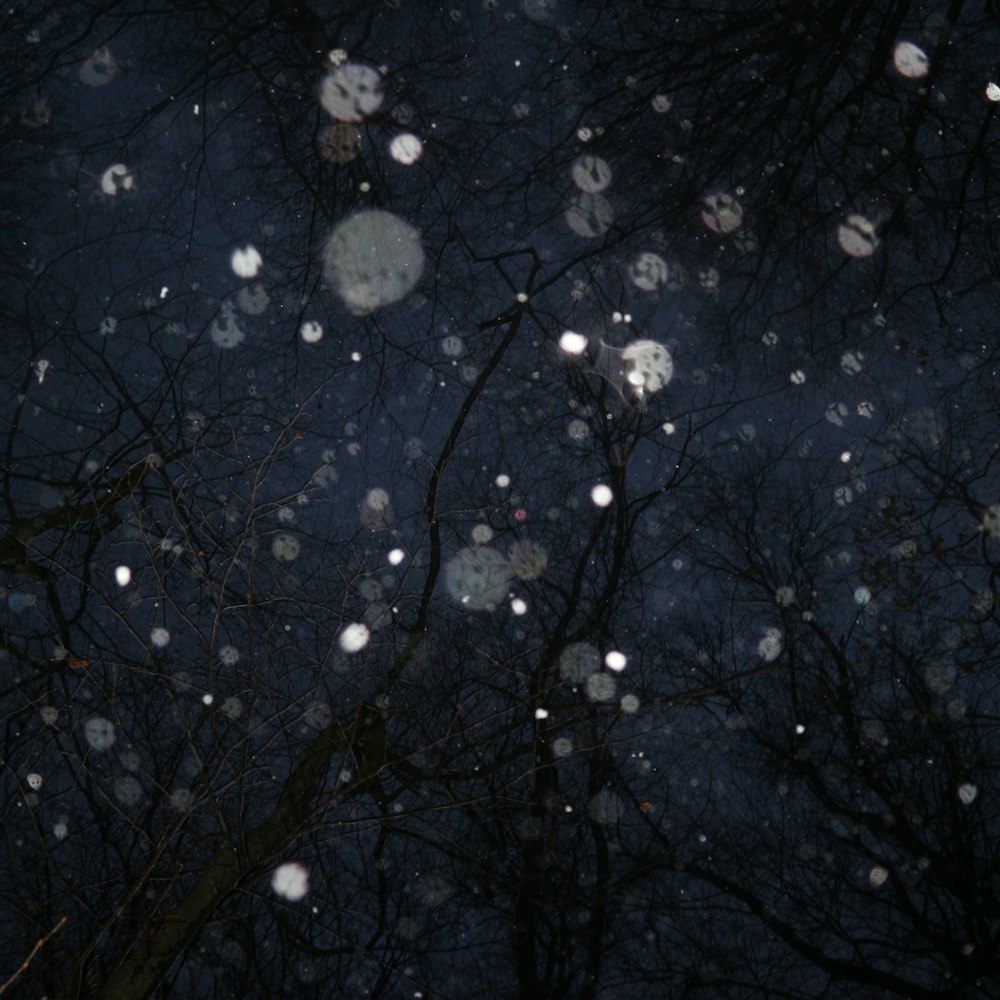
[(123, 576)]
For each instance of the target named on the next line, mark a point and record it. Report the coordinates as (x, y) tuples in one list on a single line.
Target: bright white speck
[(34, 780), (615, 660), (878, 875), (521, 297), (246, 262), (159, 637), (845, 456), (502, 481), (799, 729), (355, 356), (123, 576), (290, 881), (993, 92), (354, 638), (207, 699), (518, 606), (541, 713), (406, 149), (601, 495), (797, 377), (862, 596), (396, 556), (669, 428), (573, 343)]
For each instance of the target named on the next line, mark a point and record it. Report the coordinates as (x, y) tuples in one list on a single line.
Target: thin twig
[(39, 944)]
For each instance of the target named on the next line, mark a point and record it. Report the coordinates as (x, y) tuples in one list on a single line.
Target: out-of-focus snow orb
[(123, 576), (351, 92), (290, 881), (578, 661), (285, 548), (318, 715), (856, 236), (629, 704), (232, 708), (601, 495), (591, 174), (993, 92), (482, 534), (339, 143), (376, 510), (878, 875), (311, 332), (182, 800), (160, 637), (590, 215), (991, 521), (100, 733), (100, 69), (722, 213), (253, 300), (354, 638), (648, 365), (648, 272), (128, 790), (600, 686), (967, 794), (478, 578), (373, 259), (452, 346), (769, 647), (572, 342), (615, 660), (246, 262), (528, 560), (226, 331), (940, 676), (406, 148), (910, 61), (117, 178), (605, 808), (229, 656)]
